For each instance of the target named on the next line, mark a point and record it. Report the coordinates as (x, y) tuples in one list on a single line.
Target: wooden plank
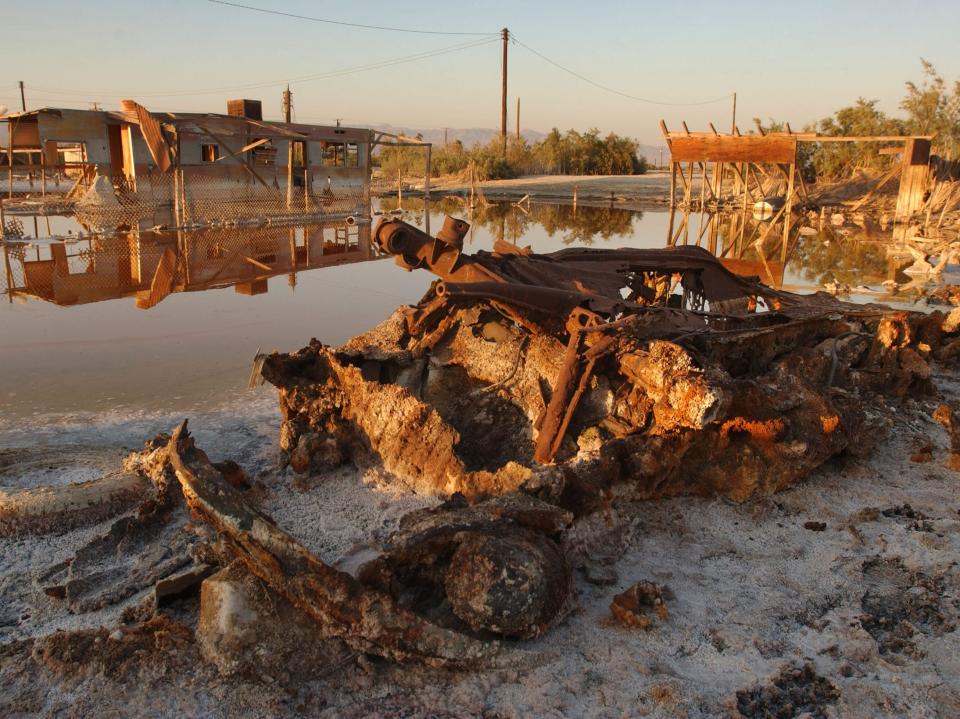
[(726, 148), (153, 136)]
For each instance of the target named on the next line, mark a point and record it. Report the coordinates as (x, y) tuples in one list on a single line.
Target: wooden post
[(399, 186), (175, 180), (788, 216), (429, 171), (703, 183), (43, 170), (733, 124), (286, 119), (518, 118), (10, 156), (306, 190), (913, 178), (673, 185), (505, 34)]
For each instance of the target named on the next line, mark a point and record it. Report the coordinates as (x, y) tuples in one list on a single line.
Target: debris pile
[(566, 373)]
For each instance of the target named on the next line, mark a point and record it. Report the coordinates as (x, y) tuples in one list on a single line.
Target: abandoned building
[(136, 167), (149, 266)]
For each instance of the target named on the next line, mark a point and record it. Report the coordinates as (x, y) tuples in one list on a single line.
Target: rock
[(633, 607), (315, 452), (600, 575), (837, 219), (952, 323), (247, 630)]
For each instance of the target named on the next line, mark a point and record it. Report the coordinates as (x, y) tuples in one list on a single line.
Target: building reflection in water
[(150, 265)]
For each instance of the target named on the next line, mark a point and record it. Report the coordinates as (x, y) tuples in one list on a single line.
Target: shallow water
[(95, 332)]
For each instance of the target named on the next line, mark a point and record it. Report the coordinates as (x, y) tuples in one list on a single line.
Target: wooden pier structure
[(758, 163)]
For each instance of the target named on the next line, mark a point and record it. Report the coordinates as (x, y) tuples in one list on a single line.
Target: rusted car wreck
[(562, 375), (526, 391)]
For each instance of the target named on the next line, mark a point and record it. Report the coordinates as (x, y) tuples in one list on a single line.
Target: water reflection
[(859, 262), (66, 349), (149, 266), (513, 221)]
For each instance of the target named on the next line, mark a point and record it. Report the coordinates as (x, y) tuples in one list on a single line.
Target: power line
[(612, 90), (343, 23), (305, 78)]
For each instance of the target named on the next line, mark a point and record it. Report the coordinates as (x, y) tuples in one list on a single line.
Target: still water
[(171, 321)]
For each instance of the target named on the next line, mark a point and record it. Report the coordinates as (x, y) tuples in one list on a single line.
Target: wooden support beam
[(748, 148), (673, 184)]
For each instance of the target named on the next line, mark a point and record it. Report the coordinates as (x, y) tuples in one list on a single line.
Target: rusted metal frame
[(366, 619), (563, 391), (592, 355)]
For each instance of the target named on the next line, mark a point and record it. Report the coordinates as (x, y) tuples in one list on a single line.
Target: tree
[(931, 108), (843, 158)]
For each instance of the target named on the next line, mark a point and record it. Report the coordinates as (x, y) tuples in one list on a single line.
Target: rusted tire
[(32, 501), (512, 584)]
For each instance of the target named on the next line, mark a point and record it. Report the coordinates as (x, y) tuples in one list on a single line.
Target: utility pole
[(518, 118), (287, 107), (445, 136), (23, 100), (733, 126), (505, 33)]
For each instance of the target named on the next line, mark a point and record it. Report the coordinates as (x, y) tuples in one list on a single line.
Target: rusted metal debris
[(563, 374)]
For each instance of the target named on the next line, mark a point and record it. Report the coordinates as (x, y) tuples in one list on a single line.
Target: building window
[(334, 154), (353, 155), (209, 153)]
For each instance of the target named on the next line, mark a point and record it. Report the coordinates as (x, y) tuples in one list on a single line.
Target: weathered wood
[(914, 176), (750, 148)]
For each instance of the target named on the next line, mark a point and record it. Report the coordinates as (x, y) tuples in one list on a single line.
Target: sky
[(790, 61)]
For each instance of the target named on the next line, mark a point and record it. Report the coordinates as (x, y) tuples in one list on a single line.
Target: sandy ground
[(868, 605)]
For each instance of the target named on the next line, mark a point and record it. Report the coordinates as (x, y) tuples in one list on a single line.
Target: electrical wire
[(46, 92), (612, 90), (344, 23)]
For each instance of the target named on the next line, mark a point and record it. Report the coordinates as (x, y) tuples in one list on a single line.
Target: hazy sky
[(792, 61)]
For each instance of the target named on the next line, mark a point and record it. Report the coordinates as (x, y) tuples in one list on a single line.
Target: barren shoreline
[(753, 591)]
